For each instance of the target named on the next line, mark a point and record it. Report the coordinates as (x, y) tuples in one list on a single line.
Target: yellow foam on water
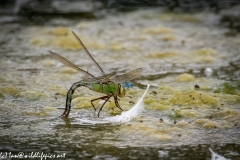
[(227, 112), (163, 54), (162, 137), (167, 90), (47, 109), (174, 129), (206, 51), (83, 104), (85, 24), (48, 63), (2, 95), (149, 100), (210, 125), (185, 77), (97, 45), (182, 123), (179, 17), (55, 88), (42, 112), (188, 97), (12, 90), (67, 42), (39, 41), (59, 31), (147, 131), (201, 121), (204, 55), (169, 38), (158, 106), (189, 113), (2, 79), (208, 59), (63, 91), (228, 99), (33, 95), (37, 113), (67, 70), (117, 46), (157, 30), (81, 99), (61, 37)]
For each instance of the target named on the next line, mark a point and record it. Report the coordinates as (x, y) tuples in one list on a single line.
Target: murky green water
[(177, 52)]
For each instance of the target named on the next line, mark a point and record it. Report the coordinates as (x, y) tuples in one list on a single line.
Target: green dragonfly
[(107, 84)]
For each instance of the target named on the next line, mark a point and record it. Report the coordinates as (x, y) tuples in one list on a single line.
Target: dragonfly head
[(121, 91)]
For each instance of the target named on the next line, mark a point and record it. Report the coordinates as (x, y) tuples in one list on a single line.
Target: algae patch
[(228, 88), (197, 98), (163, 54), (11, 90), (185, 78), (157, 30), (33, 95)]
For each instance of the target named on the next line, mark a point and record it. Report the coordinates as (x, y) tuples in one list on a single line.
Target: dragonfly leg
[(116, 102), (106, 99), (66, 113)]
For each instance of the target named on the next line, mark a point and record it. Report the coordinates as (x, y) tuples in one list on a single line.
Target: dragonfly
[(106, 83)]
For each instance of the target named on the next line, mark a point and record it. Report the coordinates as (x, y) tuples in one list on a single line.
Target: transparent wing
[(88, 53), (100, 78), (128, 76), (69, 63)]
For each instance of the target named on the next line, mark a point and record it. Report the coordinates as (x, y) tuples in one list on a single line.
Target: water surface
[(192, 105)]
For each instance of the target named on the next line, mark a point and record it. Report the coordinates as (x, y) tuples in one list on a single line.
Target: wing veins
[(128, 76), (88, 53), (68, 63)]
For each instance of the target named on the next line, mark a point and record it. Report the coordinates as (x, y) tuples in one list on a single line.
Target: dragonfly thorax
[(109, 88)]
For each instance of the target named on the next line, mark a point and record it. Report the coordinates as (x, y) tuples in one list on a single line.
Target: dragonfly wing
[(88, 53), (128, 76), (102, 78), (106, 77), (68, 63)]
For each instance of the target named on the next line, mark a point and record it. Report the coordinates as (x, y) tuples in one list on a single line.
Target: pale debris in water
[(215, 156), (208, 72), (163, 154), (127, 116), (132, 113)]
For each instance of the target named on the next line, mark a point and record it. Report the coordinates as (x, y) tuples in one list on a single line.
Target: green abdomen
[(109, 88)]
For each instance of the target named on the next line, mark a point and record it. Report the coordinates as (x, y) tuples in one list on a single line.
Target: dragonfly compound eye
[(122, 91)]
